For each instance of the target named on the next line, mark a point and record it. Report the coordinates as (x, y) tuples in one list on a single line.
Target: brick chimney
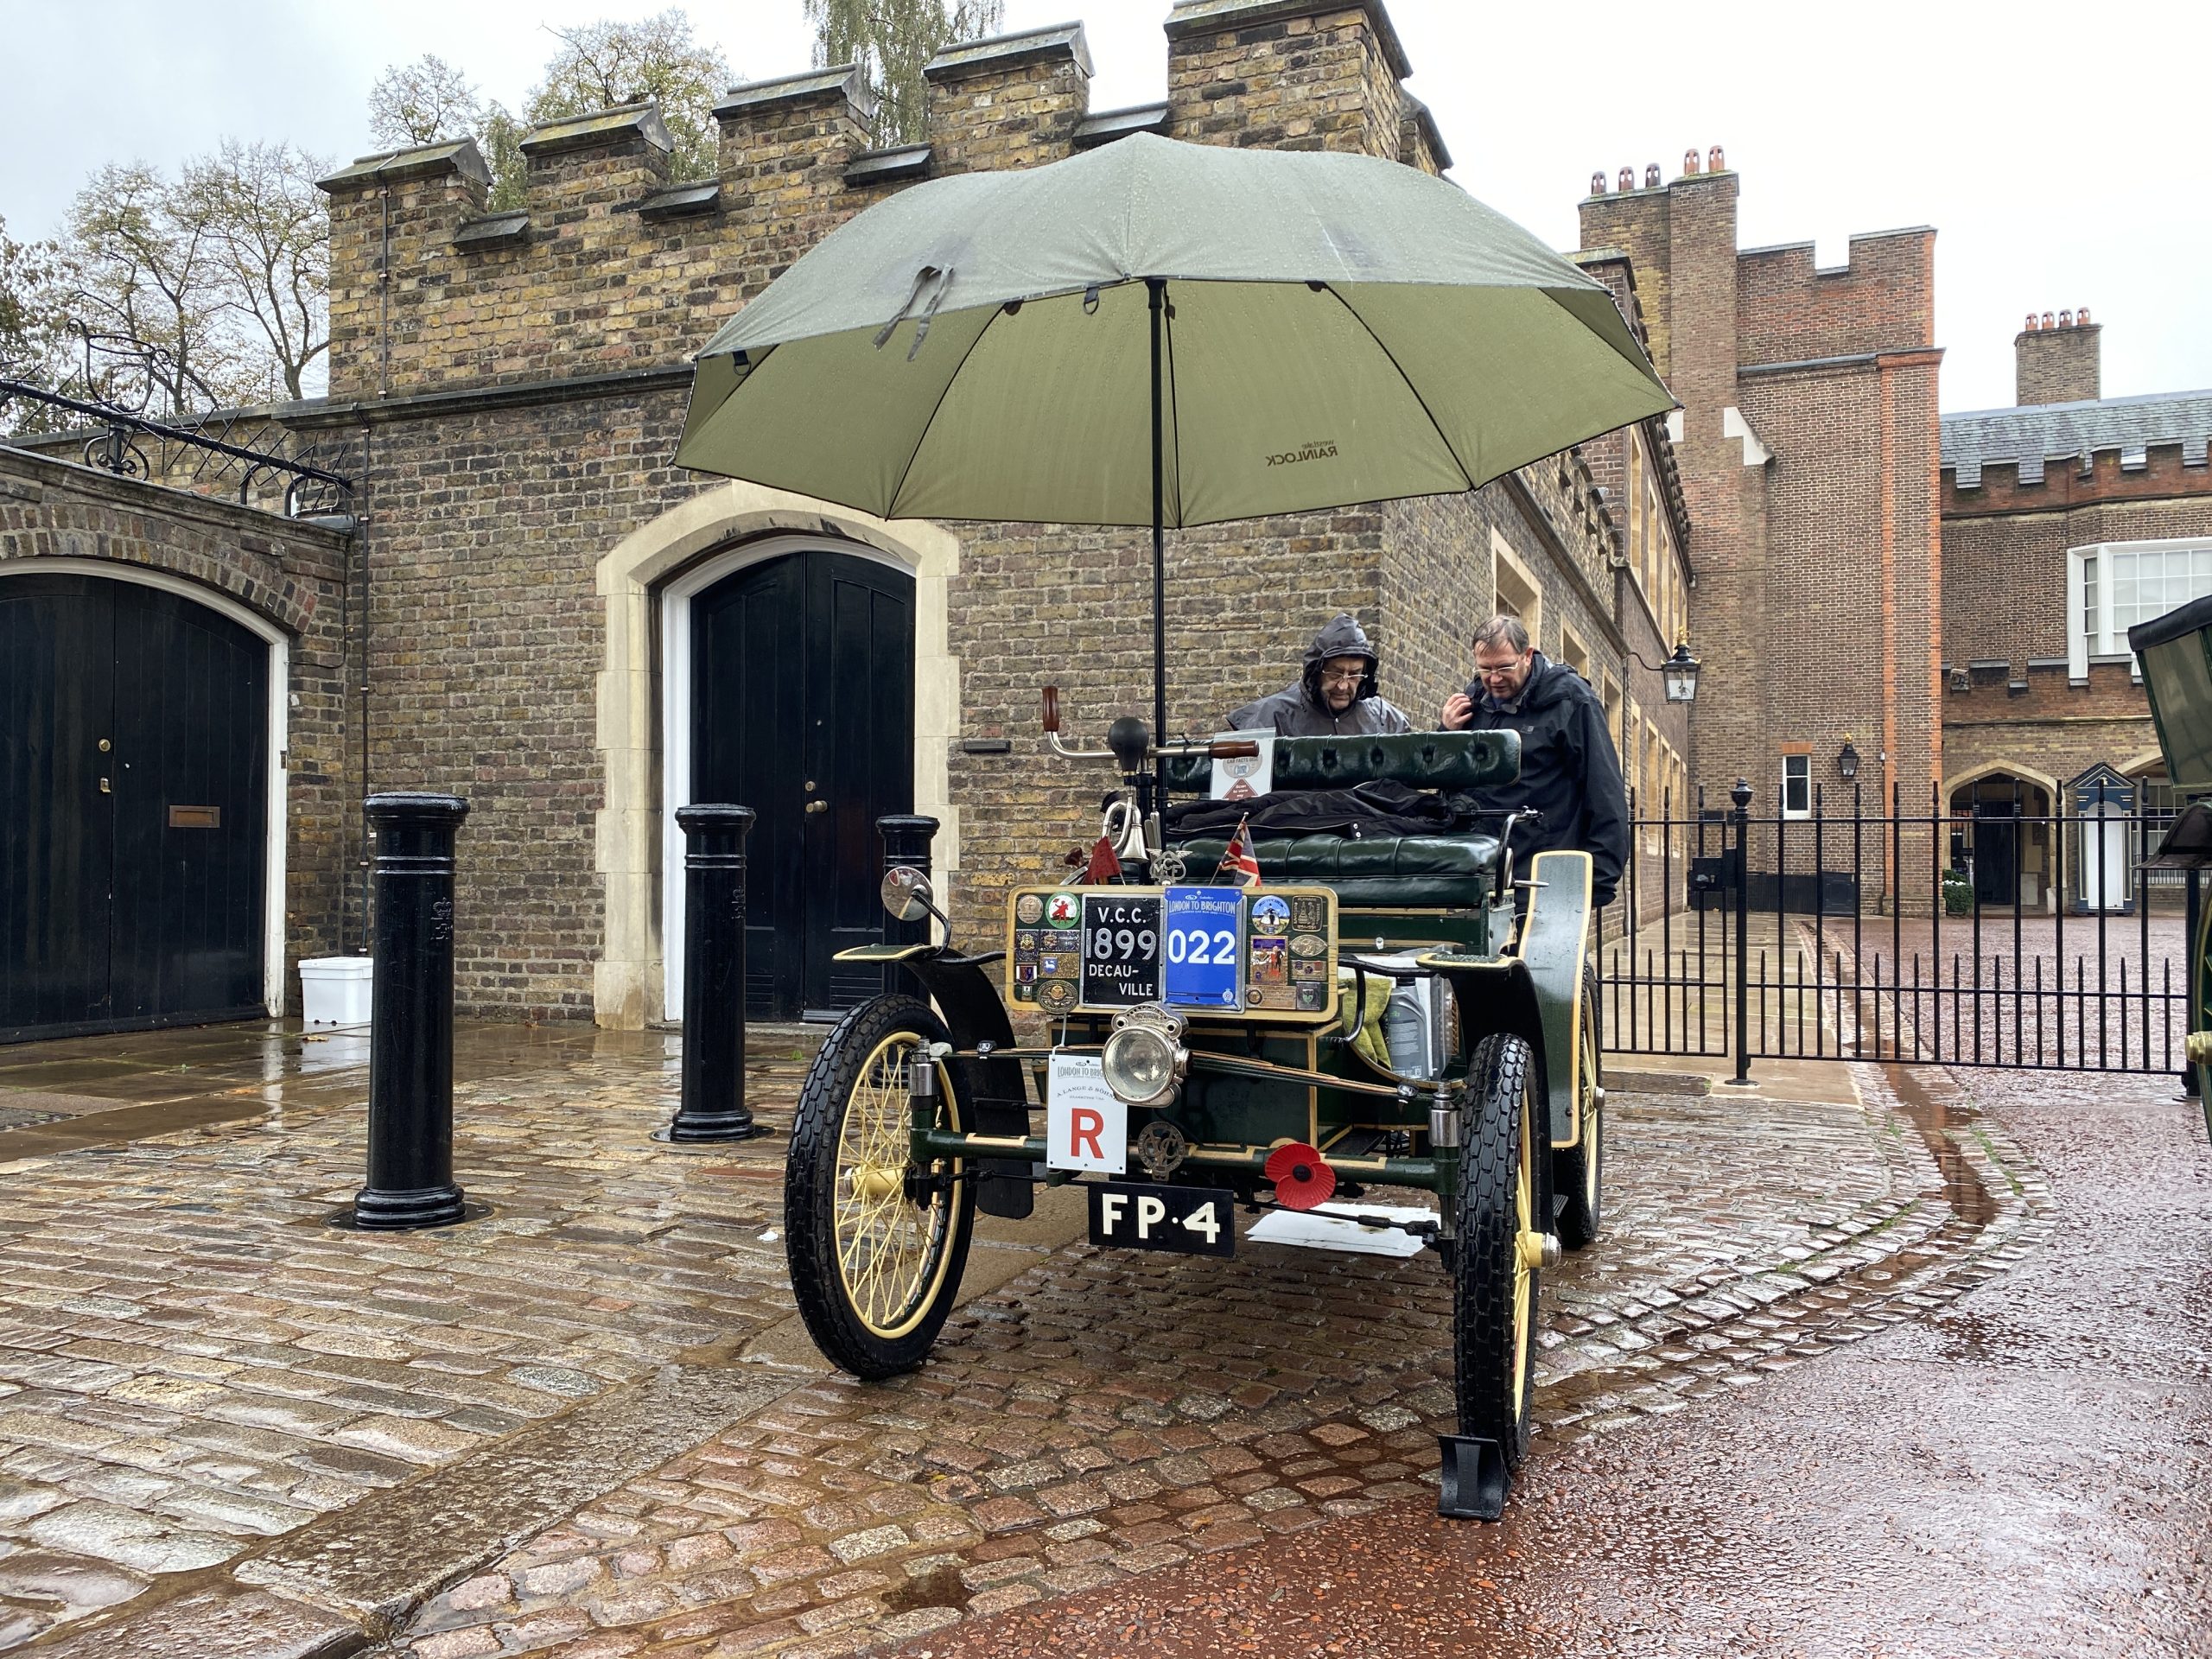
[(2057, 362)]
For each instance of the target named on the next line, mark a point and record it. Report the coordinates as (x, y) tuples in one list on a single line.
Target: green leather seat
[(1384, 872), (1380, 872)]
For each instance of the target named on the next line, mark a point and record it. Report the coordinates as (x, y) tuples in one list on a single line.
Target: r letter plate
[(1190, 1220)]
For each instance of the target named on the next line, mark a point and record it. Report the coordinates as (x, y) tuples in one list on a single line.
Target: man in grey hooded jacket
[(1334, 695)]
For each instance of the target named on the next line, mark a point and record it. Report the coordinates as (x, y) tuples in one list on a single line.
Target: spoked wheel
[(1578, 1171), (876, 1242), (1503, 1151)]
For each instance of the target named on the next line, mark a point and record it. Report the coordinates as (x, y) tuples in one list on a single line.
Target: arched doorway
[(790, 691), (137, 729), (2004, 824)]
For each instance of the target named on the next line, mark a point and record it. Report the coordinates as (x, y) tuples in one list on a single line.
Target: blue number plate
[(1204, 953)]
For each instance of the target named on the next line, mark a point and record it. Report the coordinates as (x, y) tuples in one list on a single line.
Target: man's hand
[(1457, 713)]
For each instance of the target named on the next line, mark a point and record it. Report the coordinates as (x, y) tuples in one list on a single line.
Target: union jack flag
[(1238, 864)]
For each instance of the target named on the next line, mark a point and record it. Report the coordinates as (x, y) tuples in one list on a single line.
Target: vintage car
[(1193, 1048)]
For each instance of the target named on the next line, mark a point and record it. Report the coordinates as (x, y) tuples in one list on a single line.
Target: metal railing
[(2004, 935), (134, 446)]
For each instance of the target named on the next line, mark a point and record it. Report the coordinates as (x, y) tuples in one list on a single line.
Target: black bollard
[(907, 838), (713, 1105), (411, 1033)]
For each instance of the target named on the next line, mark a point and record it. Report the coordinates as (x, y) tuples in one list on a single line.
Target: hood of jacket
[(1340, 636)]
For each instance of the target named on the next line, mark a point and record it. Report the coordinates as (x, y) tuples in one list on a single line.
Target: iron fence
[(2005, 934)]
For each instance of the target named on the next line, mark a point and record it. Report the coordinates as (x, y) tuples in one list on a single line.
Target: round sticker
[(1057, 994), (1028, 909), (1270, 915), (1308, 944), (1063, 910)]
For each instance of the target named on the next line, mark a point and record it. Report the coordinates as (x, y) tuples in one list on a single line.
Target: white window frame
[(1803, 763), (2093, 640)]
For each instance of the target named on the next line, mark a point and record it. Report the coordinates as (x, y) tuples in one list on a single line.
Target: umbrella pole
[(1157, 288)]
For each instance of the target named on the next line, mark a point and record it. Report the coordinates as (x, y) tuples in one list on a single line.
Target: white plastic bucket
[(335, 991)]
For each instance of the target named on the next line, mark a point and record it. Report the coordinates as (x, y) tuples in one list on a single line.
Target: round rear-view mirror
[(905, 892)]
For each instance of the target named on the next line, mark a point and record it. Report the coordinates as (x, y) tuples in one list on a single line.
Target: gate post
[(712, 1106), (410, 1037), (1741, 795)]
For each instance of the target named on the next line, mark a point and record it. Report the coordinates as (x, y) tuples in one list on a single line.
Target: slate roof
[(2040, 432)]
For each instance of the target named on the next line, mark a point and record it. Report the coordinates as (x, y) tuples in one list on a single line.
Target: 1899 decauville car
[(1128, 337)]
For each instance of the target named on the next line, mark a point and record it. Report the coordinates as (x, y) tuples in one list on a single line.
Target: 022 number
[(1201, 949)]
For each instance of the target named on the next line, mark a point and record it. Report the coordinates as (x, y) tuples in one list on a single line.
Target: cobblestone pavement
[(207, 1387)]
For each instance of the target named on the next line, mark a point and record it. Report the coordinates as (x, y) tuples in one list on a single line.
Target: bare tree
[(892, 40), (267, 231), (657, 57), (425, 102), (138, 302)]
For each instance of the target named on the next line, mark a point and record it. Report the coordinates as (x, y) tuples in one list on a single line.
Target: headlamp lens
[(1139, 1062)]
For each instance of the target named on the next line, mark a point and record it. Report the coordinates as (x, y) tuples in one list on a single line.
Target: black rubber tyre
[(1578, 1172), (876, 1246), (1501, 1195)]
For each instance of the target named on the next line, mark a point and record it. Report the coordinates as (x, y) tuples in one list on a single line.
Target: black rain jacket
[(1569, 772), (1299, 709)]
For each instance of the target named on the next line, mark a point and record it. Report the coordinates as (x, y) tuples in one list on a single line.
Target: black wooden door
[(1996, 870), (802, 674), (133, 758)]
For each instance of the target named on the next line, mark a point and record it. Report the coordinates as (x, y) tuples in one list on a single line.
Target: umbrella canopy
[(1329, 328)]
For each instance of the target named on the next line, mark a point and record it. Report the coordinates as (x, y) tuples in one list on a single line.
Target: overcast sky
[(2060, 151)]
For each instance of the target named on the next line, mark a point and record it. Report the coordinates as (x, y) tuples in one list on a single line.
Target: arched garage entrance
[(790, 691), (136, 730)]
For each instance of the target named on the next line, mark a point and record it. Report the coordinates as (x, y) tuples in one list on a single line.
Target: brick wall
[(516, 385), (293, 575)]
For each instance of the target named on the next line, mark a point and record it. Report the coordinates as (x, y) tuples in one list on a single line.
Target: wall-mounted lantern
[(1846, 761)]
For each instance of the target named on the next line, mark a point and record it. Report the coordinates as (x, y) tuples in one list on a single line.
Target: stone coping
[(492, 230), (424, 161), (1109, 125), (1004, 51), (682, 200), (1213, 16), (885, 166), (601, 130), (843, 79)]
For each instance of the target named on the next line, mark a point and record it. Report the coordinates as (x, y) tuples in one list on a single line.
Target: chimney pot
[(1714, 162), (1598, 183), (2082, 316), (2047, 322), (1690, 163), (1651, 175), (2066, 319), (2032, 322), (1628, 178)]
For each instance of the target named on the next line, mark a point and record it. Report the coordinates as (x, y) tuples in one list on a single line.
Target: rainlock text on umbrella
[(1321, 449)]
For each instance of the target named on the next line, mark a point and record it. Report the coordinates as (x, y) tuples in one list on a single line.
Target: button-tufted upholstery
[(1388, 872)]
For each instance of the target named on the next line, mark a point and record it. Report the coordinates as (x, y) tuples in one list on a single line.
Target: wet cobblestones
[(1105, 1416)]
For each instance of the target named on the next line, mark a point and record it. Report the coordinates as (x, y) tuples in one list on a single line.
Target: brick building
[(2067, 519), (540, 614), (1806, 448)]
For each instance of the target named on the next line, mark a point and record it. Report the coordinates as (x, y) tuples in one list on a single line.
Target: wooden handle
[(1232, 751), (1051, 708)]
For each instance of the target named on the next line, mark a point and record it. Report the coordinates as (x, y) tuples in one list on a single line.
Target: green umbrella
[(1163, 334)]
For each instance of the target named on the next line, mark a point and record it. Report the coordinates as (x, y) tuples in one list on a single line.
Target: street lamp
[(1679, 671), (1846, 761)]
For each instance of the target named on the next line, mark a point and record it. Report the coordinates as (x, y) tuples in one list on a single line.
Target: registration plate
[(1191, 1220)]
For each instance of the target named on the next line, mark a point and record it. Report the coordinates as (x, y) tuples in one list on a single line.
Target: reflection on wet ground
[(589, 1426)]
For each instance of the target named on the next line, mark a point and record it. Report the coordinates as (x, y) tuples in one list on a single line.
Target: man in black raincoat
[(1334, 697), (1569, 772)]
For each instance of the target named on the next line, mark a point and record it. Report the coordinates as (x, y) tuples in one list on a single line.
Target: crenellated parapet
[(612, 263)]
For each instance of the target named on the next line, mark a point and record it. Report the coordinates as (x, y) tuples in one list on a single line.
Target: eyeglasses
[(1497, 670), (1342, 675)]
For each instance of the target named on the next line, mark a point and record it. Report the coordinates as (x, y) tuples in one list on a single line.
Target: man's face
[(1502, 670), (1340, 678)]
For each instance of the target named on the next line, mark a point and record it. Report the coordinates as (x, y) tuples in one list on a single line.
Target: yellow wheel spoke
[(889, 1249)]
